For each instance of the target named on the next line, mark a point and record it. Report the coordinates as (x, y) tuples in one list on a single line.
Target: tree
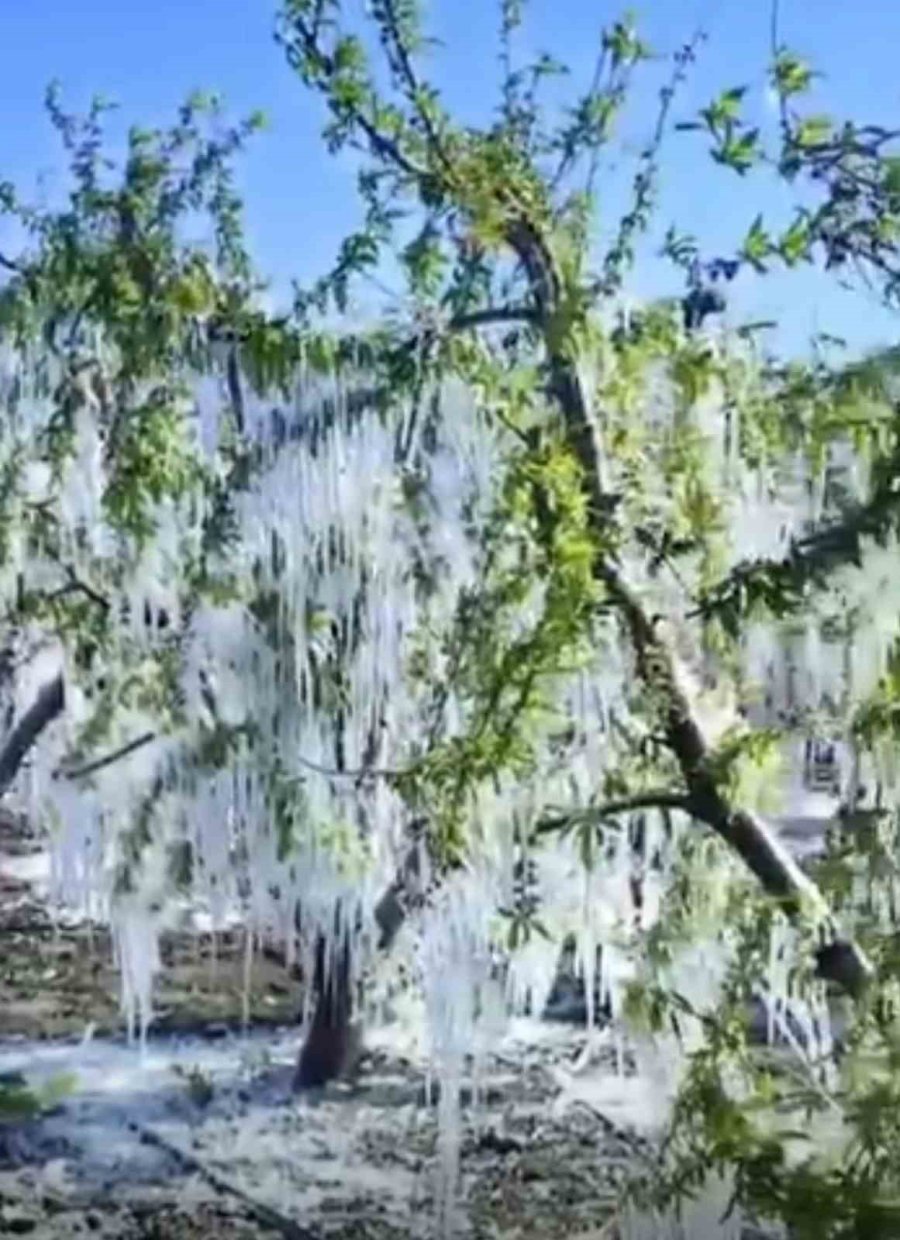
[(232, 614), (493, 187)]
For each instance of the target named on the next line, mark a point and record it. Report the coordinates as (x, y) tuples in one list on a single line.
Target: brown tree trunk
[(329, 1051), (332, 1044)]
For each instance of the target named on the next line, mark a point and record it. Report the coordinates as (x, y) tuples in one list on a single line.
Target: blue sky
[(300, 201)]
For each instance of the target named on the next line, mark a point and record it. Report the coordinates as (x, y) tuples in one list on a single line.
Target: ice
[(306, 674)]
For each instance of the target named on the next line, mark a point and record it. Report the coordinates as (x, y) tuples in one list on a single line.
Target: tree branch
[(611, 809), (11, 265), (810, 560), (97, 764), (76, 584), (46, 707), (492, 315), (400, 61), (778, 873), (381, 145), (263, 1214), (359, 774), (235, 391), (488, 316)]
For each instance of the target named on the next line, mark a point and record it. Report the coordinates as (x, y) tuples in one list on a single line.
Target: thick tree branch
[(46, 707), (780, 876), (235, 390), (491, 316)]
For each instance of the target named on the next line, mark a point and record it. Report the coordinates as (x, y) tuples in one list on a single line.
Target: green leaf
[(791, 75), (813, 131), (757, 245), (721, 115), (795, 244)]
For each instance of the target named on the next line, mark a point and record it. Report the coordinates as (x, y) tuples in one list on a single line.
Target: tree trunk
[(328, 1052), (332, 1043)]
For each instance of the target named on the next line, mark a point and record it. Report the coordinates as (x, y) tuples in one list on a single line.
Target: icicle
[(326, 529), (135, 938), (247, 980)]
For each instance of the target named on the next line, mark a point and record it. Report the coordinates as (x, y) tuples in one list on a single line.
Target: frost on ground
[(125, 1154), (199, 1135)]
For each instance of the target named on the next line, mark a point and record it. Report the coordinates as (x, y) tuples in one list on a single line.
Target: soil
[(57, 979), (200, 1135)]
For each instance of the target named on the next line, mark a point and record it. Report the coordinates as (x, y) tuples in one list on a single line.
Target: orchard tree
[(504, 239), (448, 623)]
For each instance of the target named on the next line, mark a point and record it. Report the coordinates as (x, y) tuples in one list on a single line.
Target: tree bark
[(839, 960), (46, 707), (331, 1046)]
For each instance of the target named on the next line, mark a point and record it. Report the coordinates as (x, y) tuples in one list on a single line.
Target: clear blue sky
[(148, 56)]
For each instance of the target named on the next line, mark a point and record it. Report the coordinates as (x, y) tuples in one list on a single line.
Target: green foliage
[(19, 1101), (503, 666), (492, 230)]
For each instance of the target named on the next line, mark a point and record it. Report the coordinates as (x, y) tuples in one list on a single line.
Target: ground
[(199, 1135), (56, 980), (135, 1153)]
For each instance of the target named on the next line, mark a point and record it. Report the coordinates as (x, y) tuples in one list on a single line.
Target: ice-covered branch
[(777, 582)]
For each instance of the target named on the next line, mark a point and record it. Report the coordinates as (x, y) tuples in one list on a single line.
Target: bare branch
[(235, 391), (489, 316), (76, 584), (11, 265), (359, 775), (493, 315), (265, 1215)]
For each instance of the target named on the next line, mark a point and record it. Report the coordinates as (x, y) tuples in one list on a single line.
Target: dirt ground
[(523, 1174), (56, 980), (200, 1135)]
